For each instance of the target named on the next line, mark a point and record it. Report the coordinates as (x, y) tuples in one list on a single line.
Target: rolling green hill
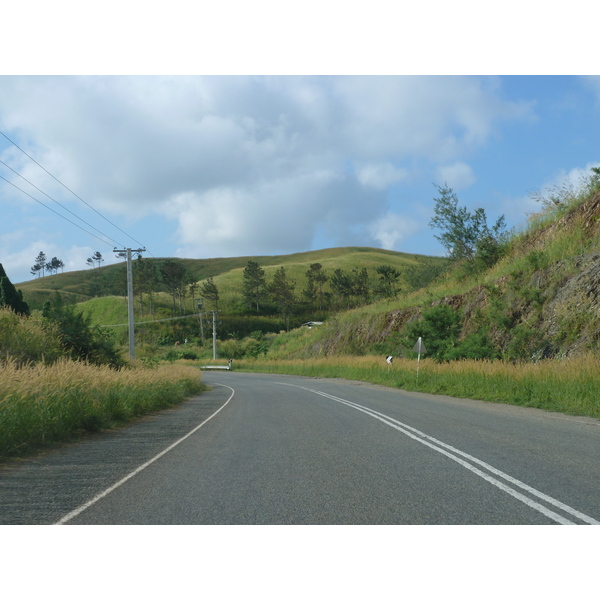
[(541, 300), (78, 286)]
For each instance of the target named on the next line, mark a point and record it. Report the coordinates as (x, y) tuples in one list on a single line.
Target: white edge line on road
[(573, 512), (422, 438), (119, 483)]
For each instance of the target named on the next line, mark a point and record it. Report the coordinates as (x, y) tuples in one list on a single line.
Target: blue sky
[(240, 165)]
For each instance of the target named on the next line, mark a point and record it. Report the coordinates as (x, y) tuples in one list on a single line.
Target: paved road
[(291, 450)]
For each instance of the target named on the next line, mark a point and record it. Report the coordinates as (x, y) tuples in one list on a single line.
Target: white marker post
[(419, 347), (389, 359)]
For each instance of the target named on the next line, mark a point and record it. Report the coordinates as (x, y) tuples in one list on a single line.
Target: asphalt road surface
[(271, 449)]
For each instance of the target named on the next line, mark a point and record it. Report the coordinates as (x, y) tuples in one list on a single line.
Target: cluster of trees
[(150, 277), (73, 334), (467, 236), (42, 265), (323, 291), (95, 259)]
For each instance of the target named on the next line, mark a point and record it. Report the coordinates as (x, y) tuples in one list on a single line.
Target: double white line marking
[(484, 470)]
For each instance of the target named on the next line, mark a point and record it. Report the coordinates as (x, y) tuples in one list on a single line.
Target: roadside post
[(419, 348), (388, 360)]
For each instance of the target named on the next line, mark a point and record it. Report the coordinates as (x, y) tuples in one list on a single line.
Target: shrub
[(439, 328), (80, 339), (477, 346), (28, 339)]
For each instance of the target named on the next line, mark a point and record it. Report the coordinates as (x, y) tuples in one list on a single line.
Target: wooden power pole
[(128, 252)]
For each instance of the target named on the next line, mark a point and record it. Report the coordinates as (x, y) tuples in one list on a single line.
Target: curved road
[(267, 449)]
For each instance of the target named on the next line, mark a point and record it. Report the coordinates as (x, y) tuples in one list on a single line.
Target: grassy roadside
[(42, 405), (569, 386)]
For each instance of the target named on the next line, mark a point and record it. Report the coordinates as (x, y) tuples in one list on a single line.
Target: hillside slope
[(541, 300), (84, 285)]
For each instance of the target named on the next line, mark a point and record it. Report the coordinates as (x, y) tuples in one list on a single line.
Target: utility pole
[(128, 252), (214, 314), (214, 334)]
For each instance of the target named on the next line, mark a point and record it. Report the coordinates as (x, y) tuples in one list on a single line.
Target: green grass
[(570, 387), (227, 272), (41, 405)]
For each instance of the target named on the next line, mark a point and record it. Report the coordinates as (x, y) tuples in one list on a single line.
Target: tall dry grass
[(42, 404), (568, 386)]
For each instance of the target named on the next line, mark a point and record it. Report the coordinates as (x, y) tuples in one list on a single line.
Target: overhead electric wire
[(54, 211), (59, 204), (154, 321), (72, 192)]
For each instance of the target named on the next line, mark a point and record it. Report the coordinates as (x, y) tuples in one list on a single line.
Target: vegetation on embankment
[(44, 404), (537, 297), (60, 377), (568, 386)]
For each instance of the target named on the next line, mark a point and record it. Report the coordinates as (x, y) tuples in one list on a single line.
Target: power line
[(70, 190), (59, 204), (55, 212), (154, 321)]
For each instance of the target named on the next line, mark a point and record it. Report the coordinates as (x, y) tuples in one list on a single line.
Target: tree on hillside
[(39, 265), (211, 292), (361, 287), (342, 284), (314, 289), (145, 281), (388, 280), (173, 273), (95, 259), (466, 235), (255, 284), (10, 296), (188, 281), (282, 293), (54, 265)]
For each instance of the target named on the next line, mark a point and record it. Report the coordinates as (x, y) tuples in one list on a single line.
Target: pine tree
[(388, 278), (211, 292), (314, 289), (255, 285), (40, 264), (10, 296), (282, 292), (173, 273)]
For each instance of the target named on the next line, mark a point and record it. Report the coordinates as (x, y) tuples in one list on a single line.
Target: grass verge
[(42, 405), (569, 386)]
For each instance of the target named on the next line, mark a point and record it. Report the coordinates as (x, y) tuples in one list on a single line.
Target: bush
[(80, 339), (526, 341), (439, 328), (477, 346), (28, 339)]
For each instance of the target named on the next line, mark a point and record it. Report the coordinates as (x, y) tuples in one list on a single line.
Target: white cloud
[(563, 182), (457, 175), (391, 229), (380, 176), (241, 165), (567, 181)]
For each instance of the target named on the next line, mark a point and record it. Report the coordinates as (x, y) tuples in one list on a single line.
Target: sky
[(246, 133), (243, 165)]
